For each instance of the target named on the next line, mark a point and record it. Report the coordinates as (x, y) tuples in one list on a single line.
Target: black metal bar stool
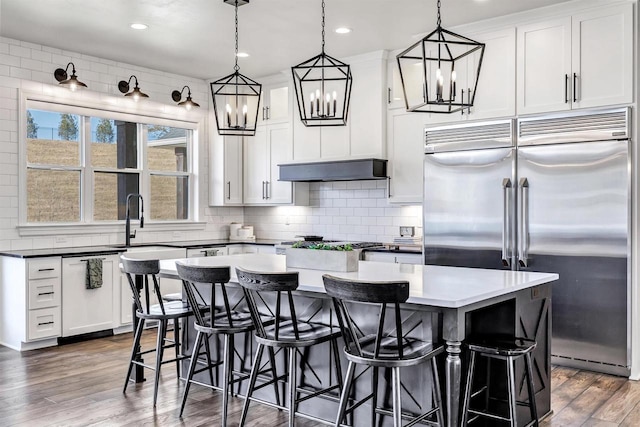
[(369, 342), (508, 349), (225, 320), (287, 331), (163, 312)]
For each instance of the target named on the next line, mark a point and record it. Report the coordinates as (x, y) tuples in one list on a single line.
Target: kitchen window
[(81, 164)]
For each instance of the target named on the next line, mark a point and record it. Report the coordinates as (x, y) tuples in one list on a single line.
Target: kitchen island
[(452, 303)]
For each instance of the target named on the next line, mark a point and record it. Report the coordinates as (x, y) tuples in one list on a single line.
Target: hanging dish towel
[(210, 252), (94, 273)]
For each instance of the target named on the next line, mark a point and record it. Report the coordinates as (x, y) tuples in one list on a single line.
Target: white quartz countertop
[(449, 287)]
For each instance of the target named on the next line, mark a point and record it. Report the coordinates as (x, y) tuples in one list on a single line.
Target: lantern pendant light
[(323, 88), (430, 72), (236, 97)]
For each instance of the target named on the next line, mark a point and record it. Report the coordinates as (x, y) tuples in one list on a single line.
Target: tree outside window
[(32, 126), (104, 131), (68, 127)]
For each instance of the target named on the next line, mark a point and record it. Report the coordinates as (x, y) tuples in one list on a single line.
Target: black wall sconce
[(63, 78), (176, 95), (136, 93)]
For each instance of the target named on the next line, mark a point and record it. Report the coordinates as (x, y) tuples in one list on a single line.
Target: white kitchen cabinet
[(89, 310), (405, 139), (225, 171), (364, 134), (270, 146), (585, 60), (496, 90), (602, 56), (275, 101), (30, 302)]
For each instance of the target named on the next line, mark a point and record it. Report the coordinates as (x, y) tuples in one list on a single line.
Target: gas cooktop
[(354, 245)]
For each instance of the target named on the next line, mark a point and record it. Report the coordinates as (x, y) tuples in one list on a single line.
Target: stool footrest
[(488, 415), (414, 421)]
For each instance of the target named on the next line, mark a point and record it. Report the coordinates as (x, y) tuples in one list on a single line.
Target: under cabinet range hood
[(339, 170)]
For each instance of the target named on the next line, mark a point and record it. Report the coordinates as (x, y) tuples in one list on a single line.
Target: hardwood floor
[(81, 384)]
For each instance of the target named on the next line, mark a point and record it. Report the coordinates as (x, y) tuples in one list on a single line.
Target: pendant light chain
[(236, 67), (439, 22), (323, 26)]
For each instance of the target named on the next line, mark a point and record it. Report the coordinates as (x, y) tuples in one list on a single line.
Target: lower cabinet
[(89, 310)]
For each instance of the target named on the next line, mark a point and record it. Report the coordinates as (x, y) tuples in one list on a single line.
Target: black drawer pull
[(46, 293), (46, 269), (45, 323)]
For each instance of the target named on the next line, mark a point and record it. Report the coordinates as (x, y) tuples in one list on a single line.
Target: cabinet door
[(395, 97), (544, 66), (279, 98), (367, 117), (496, 91), (86, 310), (602, 57), (306, 140), (406, 151), (255, 166), (279, 151), (233, 169)]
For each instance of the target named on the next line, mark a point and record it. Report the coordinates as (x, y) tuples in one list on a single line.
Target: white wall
[(29, 67), (353, 210)]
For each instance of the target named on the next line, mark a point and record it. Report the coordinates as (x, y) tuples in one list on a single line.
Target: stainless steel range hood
[(340, 170)]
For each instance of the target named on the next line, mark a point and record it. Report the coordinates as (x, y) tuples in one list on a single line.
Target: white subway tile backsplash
[(19, 51)]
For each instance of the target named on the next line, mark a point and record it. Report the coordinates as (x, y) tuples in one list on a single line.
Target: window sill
[(110, 227)]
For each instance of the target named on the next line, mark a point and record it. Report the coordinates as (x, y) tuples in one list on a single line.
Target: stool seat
[(172, 310), (308, 334), (240, 322), (503, 346), (414, 351)]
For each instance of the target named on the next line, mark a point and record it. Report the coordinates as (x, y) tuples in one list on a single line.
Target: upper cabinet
[(275, 103), (263, 152), (496, 90), (225, 170), (576, 62), (364, 134)]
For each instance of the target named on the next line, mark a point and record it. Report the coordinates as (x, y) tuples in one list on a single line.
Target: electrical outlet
[(286, 221)]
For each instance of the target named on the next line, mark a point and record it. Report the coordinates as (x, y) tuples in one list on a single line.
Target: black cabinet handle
[(228, 190), (566, 88), (388, 95), (46, 269), (575, 95), (45, 323), (46, 293)]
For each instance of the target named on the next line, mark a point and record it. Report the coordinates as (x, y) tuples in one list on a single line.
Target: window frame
[(101, 106)]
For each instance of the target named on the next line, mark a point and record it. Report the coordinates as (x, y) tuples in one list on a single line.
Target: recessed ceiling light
[(139, 26), (343, 30), (243, 55)]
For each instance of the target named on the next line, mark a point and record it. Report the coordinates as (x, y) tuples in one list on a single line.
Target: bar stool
[(225, 321), (384, 347), (287, 332), (162, 312), (508, 349)]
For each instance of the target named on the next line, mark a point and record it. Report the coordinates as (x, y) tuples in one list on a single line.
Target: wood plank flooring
[(81, 385)]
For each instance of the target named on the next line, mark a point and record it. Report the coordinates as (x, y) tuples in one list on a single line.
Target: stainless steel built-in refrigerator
[(547, 194)]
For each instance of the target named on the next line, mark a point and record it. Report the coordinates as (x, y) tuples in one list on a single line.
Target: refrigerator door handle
[(523, 238), (506, 223)]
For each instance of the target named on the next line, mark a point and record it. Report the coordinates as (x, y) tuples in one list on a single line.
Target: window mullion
[(87, 191), (145, 186)]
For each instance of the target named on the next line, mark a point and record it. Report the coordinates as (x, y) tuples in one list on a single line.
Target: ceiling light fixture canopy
[(63, 78), (176, 95), (439, 74), (136, 93), (323, 88), (236, 97)]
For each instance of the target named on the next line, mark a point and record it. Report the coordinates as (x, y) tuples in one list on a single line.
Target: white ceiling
[(196, 37)]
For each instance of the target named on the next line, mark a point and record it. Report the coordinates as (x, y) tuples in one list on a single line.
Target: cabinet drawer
[(44, 323), (44, 268), (44, 293)]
